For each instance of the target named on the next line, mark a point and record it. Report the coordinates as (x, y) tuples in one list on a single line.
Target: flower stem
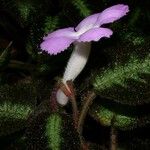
[(20, 65), (68, 90), (113, 136), (74, 103), (88, 101), (53, 102)]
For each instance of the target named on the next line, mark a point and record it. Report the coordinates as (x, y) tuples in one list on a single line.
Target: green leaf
[(16, 104), (124, 117), (128, 84), (50, 24), (13, 117), (52, 131), (82, 7), (25, 10)]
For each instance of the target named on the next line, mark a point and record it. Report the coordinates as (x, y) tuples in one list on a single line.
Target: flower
[(87, 30)]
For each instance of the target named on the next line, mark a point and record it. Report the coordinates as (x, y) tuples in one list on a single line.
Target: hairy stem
[(20, 65), (75, 110), (69, 91), (53, 102), (113, 136), (88, 101)]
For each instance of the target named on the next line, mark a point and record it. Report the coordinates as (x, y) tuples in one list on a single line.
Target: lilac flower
[(87, 30)]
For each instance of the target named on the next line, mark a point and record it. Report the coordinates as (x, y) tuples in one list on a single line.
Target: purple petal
[(112, 14), (88, 22), (95, 34), (56, 44), (66, 32)]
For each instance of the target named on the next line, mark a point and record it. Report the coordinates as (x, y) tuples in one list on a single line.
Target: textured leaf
[(50, 24), (126, 83), (54, 131), (16, 103), (13, 117), (124, 117), (81, 6)]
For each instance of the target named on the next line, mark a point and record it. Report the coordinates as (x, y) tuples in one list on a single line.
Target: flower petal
[(112, 14), (56, 45), (95, 34), (87, 23), (66, 32)]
